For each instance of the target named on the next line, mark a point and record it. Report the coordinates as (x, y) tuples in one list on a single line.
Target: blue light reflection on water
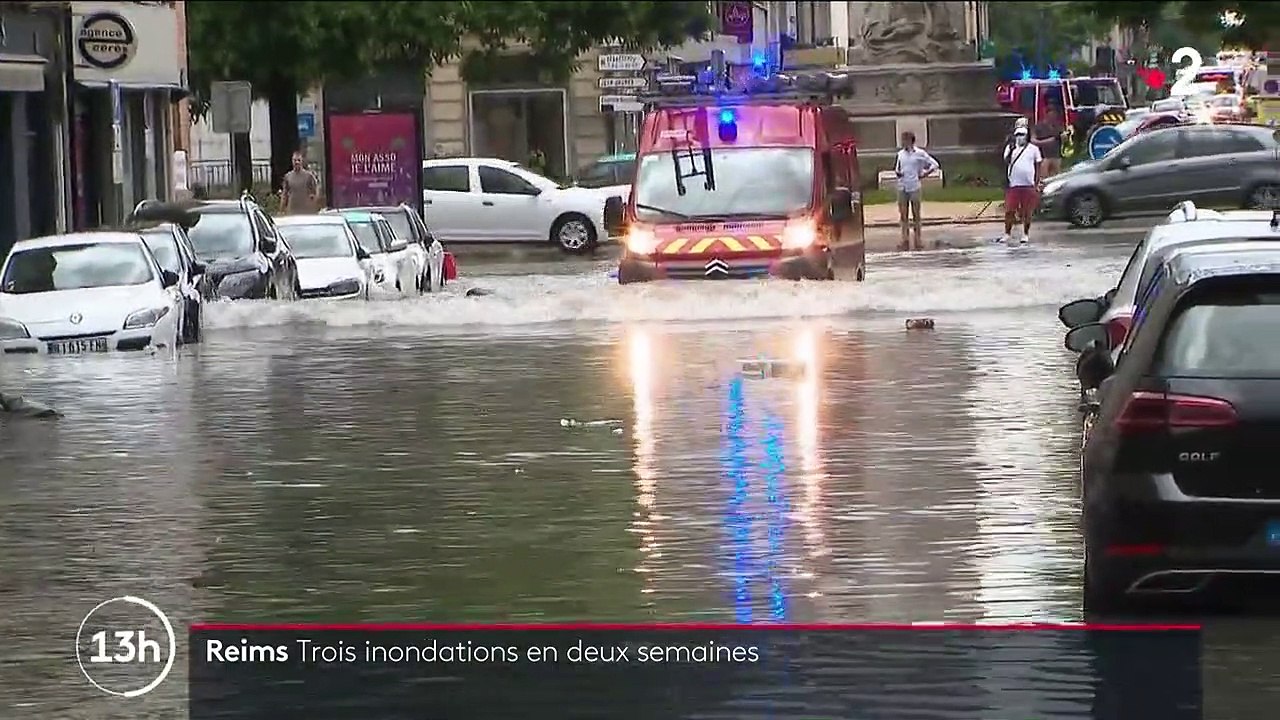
[(736, 469)]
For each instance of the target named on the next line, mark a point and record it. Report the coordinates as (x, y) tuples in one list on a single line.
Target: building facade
[(130, 74), (33, 121)]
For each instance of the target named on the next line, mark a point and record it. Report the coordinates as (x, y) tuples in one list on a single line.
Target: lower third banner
[(737, 672)]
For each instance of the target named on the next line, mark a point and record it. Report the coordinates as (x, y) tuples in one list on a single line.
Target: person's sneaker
[(1026, 238), (1006, 239)]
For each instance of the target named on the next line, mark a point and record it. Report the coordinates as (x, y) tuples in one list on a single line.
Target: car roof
[(218, 206), (1228, 225), (619, 157), (1220, 261), (376, 209), (318, 219), (80, 238), (360, 216)]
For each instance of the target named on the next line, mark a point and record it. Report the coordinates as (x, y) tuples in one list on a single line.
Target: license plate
[(1273, 533), (75, 347)]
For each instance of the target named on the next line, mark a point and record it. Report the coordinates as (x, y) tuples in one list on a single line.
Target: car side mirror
[(1110, 297), (613, 220), (168, 278), (1094, 367), (268, 245), (1124, 163), (840, 204), (533, 191), (1083, 337), (1080, 312), (361, 253)]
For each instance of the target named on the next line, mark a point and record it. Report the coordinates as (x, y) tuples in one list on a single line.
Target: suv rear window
[(1229, 332)]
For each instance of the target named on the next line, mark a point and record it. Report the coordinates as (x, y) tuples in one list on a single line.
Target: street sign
[(231, 107), (676, 79), (625, 62), (622, 83), (306, 125), (620, 103), (1103, 140)]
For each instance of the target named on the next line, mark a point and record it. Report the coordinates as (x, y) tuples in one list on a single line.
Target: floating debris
[(479, 292), (570, 422), (772, 368), (920, 324), (19, 406)]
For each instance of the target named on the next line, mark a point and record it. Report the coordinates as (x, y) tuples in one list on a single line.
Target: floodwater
[(408, 460)]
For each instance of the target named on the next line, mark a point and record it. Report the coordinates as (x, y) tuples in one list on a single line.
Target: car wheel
[(574, 234), (1264, 197), (297, 289), (271, 291), (1085, 209), (626, 276)]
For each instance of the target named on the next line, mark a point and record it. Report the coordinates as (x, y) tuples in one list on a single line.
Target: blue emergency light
[(728, 126)]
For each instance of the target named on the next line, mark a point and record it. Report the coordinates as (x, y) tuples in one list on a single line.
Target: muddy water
[(408, 460)]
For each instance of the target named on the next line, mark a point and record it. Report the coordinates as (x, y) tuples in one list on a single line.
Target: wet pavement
[(406, 460)]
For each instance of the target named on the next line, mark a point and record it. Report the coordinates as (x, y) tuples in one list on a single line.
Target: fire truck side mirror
[(613, 219), (840, 204)]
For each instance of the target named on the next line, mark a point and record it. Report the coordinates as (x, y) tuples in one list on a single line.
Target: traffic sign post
[(622, 80), (1103, 140), (231, 112), (622, 83), (620, 103), (620, 62)]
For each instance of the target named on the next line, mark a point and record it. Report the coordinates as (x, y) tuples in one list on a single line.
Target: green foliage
[(1041, 31), (1200, 18), (293, 44)]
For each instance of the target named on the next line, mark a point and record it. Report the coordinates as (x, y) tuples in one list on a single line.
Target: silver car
[(1211, 165)]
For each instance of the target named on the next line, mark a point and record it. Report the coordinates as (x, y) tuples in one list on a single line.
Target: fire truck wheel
[(574, 234), (1085, 209), (1264, 197)]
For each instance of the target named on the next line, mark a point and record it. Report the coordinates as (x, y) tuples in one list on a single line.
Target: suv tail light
[(1118, 329), (1146, 411)]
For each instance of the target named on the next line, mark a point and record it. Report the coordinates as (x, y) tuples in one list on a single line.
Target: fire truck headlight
[(799, 236), (641, 241)]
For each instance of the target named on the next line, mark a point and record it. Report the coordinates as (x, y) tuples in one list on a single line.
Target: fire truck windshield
[(748, 182), (1089, 93)]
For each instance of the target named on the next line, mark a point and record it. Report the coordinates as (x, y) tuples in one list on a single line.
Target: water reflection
[(640, 364)]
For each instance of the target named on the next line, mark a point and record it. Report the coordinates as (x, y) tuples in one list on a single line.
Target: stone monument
[(913, 69)]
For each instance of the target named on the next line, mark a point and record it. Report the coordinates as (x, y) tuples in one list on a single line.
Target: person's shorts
[(906, 196), (1021, 199)]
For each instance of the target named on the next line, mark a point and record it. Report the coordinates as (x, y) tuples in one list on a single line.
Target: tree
[(1041, 33), (283, 47), (1241, 24)]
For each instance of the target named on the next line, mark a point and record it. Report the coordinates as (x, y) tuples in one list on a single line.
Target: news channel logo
[(125, 646)]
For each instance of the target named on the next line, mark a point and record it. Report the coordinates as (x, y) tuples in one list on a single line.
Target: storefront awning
[(21, 73), (174, 89)]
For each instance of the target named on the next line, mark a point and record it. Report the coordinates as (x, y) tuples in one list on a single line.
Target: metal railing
[(216, 174)]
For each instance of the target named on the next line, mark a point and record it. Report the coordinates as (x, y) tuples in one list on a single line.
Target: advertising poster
[(374, 159)]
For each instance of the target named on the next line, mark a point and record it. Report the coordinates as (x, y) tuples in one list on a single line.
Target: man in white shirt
[(912, 164), (1022, 195)]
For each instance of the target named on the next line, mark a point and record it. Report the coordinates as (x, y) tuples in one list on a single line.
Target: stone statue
[(909, 32)]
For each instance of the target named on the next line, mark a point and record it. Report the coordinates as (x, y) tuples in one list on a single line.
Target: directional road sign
[(623, 62), (620, 103), (623, 83), (1103, 140), (231, 107)]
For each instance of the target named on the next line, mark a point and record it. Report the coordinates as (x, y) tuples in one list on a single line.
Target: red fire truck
[(752, 178)]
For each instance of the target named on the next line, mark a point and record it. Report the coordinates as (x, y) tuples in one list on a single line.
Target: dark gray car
[(1211, 165)]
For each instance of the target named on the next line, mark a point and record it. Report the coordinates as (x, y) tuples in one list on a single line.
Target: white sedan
[(86, 293), (331, 263), (471, 200)]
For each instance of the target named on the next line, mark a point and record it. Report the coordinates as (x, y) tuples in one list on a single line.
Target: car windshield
[(222, 235), (748, 182), (367, 236), (1096, 93), (322, 240), (1231, 334), (1167, 105), (1225, 101), (165, 248), (72, 267), (400, 224)]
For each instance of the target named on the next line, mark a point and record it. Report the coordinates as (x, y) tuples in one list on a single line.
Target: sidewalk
[(936, 213)]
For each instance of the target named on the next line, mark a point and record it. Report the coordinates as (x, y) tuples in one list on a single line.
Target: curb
[(934, 222)]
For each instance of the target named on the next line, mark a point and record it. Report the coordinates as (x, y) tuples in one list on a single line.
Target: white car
[(331, 263), (87, 293), (408, 225), (1185, 228), (471, 200), (395, 267)]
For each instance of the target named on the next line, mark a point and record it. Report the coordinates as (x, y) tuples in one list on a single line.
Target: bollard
[(920, 324)]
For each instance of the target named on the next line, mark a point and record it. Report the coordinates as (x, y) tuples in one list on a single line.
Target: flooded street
[(407, 460)]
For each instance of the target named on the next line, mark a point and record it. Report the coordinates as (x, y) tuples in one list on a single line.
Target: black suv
[(245, 258), (1179, 495)]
